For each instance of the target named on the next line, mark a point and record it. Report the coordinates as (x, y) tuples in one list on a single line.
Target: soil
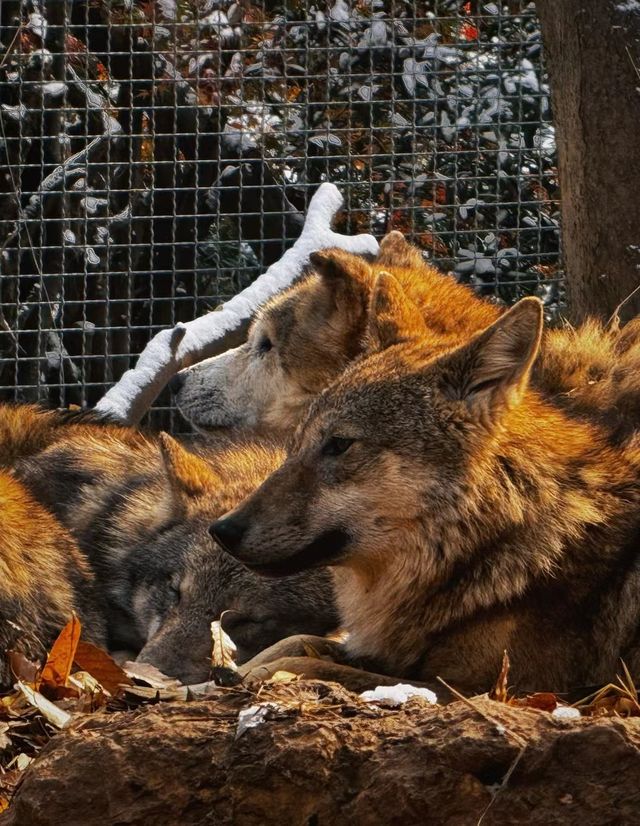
[(324, 756)]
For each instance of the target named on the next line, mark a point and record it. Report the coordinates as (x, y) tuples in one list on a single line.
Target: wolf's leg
[(300, 645), (354, 679)]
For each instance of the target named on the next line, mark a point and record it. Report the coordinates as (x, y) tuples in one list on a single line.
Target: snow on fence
[(157, 156)]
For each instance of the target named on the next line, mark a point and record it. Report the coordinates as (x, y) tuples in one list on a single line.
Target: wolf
[(305, 338), (461, 512), (45, 580), (139, 508)]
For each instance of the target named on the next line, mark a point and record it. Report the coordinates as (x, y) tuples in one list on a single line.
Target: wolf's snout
[(228, 533), (176, 382)]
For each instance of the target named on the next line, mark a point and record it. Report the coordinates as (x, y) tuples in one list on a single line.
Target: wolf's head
[(140, 511), (304, 338), (181, 581), (391, 461)]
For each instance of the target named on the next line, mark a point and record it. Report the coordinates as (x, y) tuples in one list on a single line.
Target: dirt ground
[(324, 756)]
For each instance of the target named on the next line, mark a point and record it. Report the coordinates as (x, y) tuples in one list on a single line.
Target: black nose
[(228, 533), (176, 382)]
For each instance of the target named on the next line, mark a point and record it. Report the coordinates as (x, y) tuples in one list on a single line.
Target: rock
[(328, 757)]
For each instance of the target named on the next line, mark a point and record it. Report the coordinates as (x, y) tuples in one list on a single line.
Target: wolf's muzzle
[(228, 533)]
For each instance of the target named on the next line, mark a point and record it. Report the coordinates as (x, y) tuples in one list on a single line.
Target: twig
[(615, 317)]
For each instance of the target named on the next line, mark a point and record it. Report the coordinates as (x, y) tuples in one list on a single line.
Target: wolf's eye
[(265, 345), (336, 445), (174, 582)]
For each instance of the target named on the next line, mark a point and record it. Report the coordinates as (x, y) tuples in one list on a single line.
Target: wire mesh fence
[(156, 156)]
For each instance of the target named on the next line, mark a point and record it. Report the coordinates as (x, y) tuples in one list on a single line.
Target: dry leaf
[(56, 716), (60, 659), (223, 665), (499, 692), (101, 666), (543, 700), (149, 674), (283, 677), (22, 668), (20, 762), (224, 648)]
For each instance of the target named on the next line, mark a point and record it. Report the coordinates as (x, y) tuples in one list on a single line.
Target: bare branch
[(184, 345)]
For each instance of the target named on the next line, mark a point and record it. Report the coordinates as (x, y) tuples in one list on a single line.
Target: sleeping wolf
[(305, 337), (139, 509), (44, 579), (461, 512)]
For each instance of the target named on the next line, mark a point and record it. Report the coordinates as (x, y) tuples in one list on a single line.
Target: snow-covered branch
[(185, 344)]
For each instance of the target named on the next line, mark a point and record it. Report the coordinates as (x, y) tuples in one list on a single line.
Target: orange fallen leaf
[(543, 700), (60, 659), (101, 666)]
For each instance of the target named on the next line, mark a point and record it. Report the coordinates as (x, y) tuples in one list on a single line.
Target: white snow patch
[(254, 716), (566, 713), (629, 5), (396, 695)]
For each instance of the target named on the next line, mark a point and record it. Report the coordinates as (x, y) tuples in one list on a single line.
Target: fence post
[(593, 57)]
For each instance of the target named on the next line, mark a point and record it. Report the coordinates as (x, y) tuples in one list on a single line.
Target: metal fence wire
[(157, 156)]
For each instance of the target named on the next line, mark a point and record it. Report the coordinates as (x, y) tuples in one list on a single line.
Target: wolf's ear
[(189, 474), (393, 317), (348, 278), (396, 251), (494, 368)]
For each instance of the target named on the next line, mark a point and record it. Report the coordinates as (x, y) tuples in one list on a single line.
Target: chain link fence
[(157, 155)]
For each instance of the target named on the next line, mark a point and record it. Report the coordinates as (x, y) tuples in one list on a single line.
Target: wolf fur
[(305, 338), (44, 579), (462, 512), (139, 508)]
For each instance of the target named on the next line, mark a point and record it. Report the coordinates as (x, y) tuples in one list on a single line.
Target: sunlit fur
[(139, 508), (480, 516), (318, 327), (44, 579)]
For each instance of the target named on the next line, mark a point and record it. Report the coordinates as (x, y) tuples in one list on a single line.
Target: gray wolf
[(139, 508), (304, 338), (461, 512)]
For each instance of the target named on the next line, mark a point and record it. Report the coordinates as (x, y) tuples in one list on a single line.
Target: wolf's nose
[(228, 533), (176, 382)]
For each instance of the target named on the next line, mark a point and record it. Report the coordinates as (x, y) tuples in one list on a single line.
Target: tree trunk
[(593, 56)]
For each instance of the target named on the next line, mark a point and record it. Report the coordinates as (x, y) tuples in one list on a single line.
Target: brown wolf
[(305, 337), (462, 514), (139, 508), (44, 579)]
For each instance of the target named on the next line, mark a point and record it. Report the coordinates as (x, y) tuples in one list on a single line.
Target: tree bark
[(592, 49)]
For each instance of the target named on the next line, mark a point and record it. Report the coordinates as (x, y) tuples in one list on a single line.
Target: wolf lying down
[(113, 525), (304, 338), (461, 509)]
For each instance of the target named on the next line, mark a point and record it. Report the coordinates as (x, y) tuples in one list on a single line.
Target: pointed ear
[(494, 368), (393, 317), (396, 251), (189, 474), (348, 277)]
